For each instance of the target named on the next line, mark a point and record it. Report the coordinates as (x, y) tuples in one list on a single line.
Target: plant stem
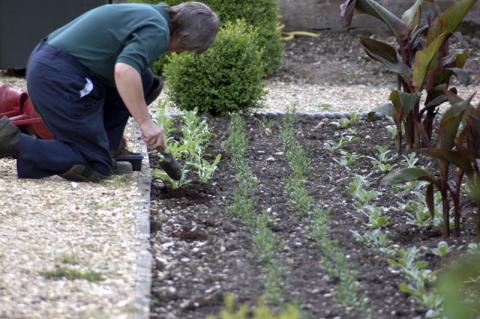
[(446, 213), (456, 202)]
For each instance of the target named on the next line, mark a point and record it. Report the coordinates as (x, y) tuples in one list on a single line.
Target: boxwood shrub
[(226, 78), (263, 15)]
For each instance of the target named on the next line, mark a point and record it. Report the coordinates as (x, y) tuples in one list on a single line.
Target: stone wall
[(324, 14)]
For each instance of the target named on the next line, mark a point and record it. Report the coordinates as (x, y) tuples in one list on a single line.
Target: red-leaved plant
[(423, 61), (457, 150)]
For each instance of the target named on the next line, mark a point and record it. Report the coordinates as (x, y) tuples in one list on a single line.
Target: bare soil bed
[(337, 58), (202, 254)]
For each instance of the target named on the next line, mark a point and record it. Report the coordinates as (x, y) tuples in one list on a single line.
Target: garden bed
[(202, 253)]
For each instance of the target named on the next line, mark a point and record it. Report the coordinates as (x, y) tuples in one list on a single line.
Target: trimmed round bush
[(263, 15), (226, 78)]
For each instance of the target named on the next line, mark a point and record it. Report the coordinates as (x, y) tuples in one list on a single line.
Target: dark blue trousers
[(86, 116)]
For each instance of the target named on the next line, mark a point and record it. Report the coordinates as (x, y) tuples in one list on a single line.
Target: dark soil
[(337, 58), (201, 253)]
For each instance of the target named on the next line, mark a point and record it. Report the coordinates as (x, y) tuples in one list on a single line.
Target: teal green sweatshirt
[(135, 34)]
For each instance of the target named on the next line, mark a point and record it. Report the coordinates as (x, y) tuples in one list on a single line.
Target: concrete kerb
[(324, 115), (316, 115), (143, 281)]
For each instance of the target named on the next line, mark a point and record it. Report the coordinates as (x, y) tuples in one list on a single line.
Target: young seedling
[(411, 159), (473, 248), (420, 281), (375, 217), (346, 122), (205, 169), (162, 175), (244, 207), (191, 148), (441, 250), (382, 161), (344, 141), (418, 213), (261, 311), (347, 159), (375, 238), (335, 261)]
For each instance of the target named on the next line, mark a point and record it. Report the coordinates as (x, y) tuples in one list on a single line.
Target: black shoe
[(170, 165), (9, 138), (155, 91), (121, 168), (82, 173)]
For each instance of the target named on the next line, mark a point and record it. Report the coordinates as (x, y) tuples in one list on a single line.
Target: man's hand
[(153, 135)]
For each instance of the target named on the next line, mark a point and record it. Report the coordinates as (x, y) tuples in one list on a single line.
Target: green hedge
[(226, 78), (262, 14)]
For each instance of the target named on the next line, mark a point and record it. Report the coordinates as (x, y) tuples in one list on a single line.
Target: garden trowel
[(170, 165)]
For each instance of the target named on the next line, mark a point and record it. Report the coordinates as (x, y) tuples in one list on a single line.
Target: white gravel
[(43, 222)]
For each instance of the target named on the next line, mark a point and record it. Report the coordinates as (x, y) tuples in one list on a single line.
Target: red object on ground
[(18, 107)]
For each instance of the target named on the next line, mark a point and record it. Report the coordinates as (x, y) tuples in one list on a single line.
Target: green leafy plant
[(460, 285), (244, 207), (376, 238), (422, 62), (382, 163), (344, 141), (71, 259), (299, 162), (420, 281), (226, 78), (346, 122), (163, 176), (375, 217), (347, 159), (411, 159), (357, 189), (442, 249), (335, 261), (262, 311), (164, 121), (190, 148), (244, 201), (336, 264), (266, 247), (418, 212)]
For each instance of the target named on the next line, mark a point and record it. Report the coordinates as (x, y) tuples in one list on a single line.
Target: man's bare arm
[(130, 88)]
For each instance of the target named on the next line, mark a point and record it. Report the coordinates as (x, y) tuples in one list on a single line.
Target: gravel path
[(52, 224)]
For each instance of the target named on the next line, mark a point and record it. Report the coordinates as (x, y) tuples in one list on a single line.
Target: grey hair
[(194, 25)]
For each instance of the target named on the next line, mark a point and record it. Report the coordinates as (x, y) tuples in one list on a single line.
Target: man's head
[(194, 27)]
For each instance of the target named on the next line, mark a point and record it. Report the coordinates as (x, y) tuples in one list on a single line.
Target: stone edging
[(317, 115), (321, 115), (143, 279)]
